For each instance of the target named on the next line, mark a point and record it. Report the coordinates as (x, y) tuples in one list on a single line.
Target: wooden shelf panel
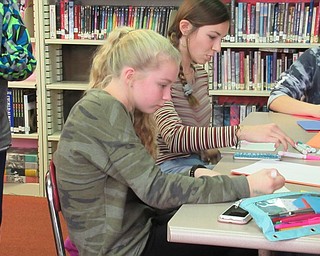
[(26, 189), (239, 93)]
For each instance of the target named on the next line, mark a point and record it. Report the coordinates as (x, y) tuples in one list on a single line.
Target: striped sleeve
[(180, 138)]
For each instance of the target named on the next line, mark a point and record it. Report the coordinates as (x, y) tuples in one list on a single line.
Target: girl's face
[(152, 88), (205, 41)]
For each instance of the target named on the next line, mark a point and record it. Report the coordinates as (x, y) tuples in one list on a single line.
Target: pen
[(297, 224), (297, 155), (291, 213)]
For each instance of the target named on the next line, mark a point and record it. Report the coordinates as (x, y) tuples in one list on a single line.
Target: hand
[(265, 181), (212, 156), (265, 133), (205, 172)]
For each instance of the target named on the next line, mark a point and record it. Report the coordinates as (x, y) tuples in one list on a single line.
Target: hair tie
[(187, 89)]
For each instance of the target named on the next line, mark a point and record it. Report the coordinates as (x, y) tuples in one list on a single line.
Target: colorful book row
[(69, 20), (233, 114), (272, 22), (249, 70)]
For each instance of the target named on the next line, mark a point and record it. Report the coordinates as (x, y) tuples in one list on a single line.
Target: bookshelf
[(33, 139), (63, 69)]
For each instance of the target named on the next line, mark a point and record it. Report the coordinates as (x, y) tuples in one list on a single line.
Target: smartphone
[(235, 214)]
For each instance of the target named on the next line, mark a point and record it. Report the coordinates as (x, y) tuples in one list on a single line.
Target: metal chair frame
[(54, 208)]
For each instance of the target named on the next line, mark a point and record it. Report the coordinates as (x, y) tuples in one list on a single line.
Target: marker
[(297, 155), (307, 147), (297, 224), (300, 149)]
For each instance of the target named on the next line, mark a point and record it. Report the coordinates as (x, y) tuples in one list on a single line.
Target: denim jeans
[(182, 164)]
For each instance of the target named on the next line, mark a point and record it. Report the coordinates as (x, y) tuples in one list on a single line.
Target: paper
[(293, 173), (309, 125), (315, 141), (245, 145)]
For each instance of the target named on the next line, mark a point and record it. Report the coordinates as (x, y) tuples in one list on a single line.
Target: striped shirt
[(183, 129)]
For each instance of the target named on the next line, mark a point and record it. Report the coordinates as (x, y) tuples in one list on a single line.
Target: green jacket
[(109, 185)]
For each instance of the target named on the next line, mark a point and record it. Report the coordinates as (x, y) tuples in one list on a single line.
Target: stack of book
[(22, 166)]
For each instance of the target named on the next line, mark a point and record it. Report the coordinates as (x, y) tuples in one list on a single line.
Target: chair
[(54, 208)]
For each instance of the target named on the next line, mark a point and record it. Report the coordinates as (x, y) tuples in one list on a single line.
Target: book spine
[(317, 25), (71, 19), (309, 24), (53, 21), (232, 20), (10, 108)]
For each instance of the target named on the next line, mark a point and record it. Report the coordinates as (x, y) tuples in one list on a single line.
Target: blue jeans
[(183, 164)]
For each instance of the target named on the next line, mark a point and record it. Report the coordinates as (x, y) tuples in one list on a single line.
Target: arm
[(297, 89), (181, 138), (288, 105), (16, 61)]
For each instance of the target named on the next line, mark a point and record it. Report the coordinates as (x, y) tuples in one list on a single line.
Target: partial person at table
[(298, 89), (186, 138), (114, 198)]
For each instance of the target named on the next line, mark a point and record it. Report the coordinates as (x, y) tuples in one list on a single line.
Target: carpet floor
[(26, 227)]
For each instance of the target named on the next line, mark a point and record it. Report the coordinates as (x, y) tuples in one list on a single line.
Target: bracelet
[(194, 168)]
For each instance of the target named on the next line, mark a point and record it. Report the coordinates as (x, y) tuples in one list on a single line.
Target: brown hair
[(199, 13)]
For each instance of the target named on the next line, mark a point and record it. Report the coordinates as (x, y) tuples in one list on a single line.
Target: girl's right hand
[(265, 181)]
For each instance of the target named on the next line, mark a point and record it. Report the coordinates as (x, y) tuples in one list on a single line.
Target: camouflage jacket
[(302, 80), (16, 60), (110, 187)]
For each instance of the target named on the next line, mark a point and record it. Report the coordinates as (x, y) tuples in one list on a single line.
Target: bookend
[(283, 216), (54, 208)]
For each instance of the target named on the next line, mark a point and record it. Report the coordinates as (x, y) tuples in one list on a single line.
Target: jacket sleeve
[(17, 61)]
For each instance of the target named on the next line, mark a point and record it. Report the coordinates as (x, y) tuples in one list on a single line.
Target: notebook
[(309, 125)]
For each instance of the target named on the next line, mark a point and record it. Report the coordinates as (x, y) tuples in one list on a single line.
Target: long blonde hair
[(143, 50)]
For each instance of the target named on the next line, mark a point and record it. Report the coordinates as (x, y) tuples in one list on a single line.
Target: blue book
[(309, 125)]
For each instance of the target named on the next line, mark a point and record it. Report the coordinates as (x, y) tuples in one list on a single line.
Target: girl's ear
[(185, 27), (128, 74)]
